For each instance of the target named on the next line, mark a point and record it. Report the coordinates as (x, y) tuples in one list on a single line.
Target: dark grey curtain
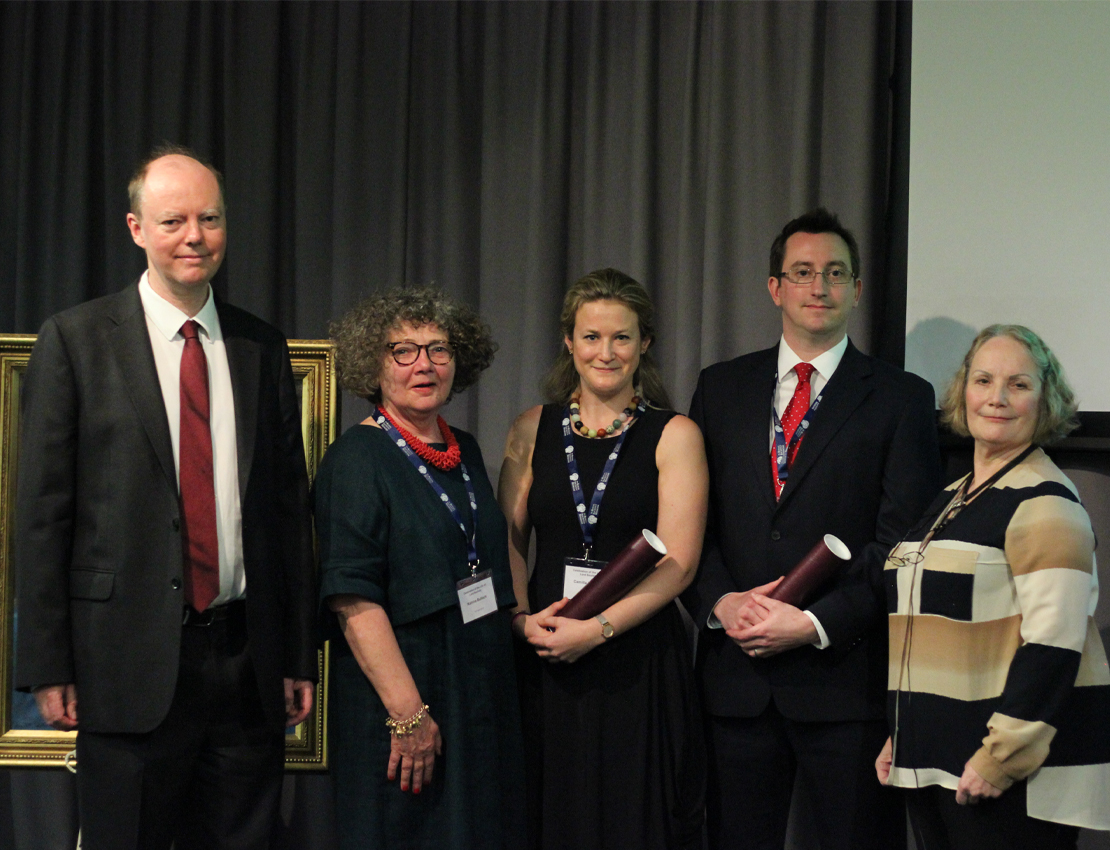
[(500, 150)]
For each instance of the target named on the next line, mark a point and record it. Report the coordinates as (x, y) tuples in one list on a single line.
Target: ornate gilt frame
[(313, 363)]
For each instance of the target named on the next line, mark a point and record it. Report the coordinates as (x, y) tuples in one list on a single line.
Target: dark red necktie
[(795, 410), (198, 490)]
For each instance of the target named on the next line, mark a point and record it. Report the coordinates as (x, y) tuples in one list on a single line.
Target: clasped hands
[(561, 639), (762, 626)]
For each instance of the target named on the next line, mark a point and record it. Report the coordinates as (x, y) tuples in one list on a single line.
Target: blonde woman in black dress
[(614, 748)]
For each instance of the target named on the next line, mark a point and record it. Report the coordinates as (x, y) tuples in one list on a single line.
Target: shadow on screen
[(935, 348)]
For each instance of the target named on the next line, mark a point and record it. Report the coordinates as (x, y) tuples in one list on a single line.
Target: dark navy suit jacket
[(868, 467)]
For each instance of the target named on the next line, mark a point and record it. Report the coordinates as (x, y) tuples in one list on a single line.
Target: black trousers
[(753, 766), (940, 823), (207, 778)]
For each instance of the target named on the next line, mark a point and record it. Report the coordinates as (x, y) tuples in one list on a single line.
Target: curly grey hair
[(360, 337)]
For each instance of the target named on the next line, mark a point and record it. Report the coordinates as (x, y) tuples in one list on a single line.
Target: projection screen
[(1010, 183)]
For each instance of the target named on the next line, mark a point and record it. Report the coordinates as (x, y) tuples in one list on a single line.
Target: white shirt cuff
[(713, 622), (822, 641)]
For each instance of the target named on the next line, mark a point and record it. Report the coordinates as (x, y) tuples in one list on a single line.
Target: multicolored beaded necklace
[(601, 433), (445, 460)]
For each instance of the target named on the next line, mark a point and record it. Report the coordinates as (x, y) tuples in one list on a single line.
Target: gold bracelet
[(401, 728)]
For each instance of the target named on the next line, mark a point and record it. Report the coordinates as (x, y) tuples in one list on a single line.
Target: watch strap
[(606, 627)]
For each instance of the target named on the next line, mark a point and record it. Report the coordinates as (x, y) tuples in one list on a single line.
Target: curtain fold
[(498, 150)]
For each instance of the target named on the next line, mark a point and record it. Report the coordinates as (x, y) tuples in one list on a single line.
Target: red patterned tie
[(795, 410), (198, 491)]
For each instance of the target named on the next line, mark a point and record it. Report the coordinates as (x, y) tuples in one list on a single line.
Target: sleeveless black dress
[(614, 749)]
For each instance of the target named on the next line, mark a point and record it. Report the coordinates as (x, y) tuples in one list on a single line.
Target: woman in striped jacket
[(998, 682)]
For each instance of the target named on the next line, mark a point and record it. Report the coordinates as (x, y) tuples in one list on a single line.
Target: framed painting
[(24, 739)]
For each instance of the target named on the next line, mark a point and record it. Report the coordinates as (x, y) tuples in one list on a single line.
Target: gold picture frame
[(23, 745)]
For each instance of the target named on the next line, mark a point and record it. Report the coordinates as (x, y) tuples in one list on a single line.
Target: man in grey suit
[(163, 546)]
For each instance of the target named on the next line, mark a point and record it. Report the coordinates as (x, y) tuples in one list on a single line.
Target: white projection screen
[(1009, 213)]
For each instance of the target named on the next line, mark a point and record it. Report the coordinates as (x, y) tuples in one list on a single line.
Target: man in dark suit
[(163, 546), (789, 692)]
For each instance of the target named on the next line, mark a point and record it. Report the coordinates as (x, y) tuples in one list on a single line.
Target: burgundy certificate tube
[(812, 572), (617, 577)]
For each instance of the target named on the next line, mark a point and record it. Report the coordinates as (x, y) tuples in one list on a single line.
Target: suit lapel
[(839, 399), (129, 342), (243, 362), (754, 391)]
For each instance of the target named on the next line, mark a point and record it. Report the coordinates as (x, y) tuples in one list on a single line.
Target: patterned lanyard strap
[(587, 519), (418, 463), (782, 450), (963, 497)]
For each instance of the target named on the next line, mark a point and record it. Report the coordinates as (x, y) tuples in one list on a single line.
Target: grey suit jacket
[(98, 551)]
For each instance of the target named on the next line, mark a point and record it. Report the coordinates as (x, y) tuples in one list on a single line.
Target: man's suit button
[(775, 535), (176, 524), (175, 583)]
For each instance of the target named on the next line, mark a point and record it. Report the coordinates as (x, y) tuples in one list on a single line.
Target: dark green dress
[(384, 535)]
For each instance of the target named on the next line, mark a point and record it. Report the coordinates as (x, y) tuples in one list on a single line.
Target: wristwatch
[(606, 627)]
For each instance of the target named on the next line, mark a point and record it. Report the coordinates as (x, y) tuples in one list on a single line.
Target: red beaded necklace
[(446, 460)]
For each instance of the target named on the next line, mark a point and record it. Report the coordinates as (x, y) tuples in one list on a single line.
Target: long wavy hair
[(562, 378)]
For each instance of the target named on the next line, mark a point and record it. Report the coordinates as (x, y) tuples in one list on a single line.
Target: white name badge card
[(476, 596), (577, 573)]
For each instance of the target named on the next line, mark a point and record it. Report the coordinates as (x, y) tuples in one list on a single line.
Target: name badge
[(476, 596), (577, 573)]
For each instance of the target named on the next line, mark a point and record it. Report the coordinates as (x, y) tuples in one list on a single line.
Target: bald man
[(163, 546)]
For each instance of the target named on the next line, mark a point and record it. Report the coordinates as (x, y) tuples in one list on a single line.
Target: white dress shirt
[(824, 365), (163, 323)]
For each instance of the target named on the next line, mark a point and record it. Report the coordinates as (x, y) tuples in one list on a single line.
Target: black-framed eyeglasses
[(406, 353), (805, 276)]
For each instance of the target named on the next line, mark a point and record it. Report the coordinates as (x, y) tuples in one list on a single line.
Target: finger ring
[(755, 653)]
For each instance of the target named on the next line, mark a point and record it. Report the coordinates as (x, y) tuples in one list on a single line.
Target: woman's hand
[(973, 788), (526, 627), (370, 635), (883, 762), (416, 754), (560, 638)]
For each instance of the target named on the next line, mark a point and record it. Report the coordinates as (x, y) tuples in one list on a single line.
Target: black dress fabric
[(614, 748)]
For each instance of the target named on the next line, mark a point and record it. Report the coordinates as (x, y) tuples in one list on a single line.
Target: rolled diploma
[(617, 577), (812, 572)]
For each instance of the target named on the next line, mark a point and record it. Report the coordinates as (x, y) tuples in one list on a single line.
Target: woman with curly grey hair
[(998, 683), (415, 582)]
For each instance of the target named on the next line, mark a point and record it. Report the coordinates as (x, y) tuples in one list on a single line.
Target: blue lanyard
[(588, 519), (782, 451), (418, 463)]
